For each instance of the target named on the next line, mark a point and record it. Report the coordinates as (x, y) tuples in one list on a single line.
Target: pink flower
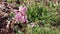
[(23, 9), (18, 16), (21, 15), (24, 19)]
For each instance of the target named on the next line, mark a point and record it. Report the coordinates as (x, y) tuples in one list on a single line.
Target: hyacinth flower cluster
[(20, 15)]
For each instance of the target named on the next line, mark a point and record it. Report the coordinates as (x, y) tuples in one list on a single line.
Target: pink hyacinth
[(21, 15)]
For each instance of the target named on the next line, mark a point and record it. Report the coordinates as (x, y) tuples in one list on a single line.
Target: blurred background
[(43, 16)]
